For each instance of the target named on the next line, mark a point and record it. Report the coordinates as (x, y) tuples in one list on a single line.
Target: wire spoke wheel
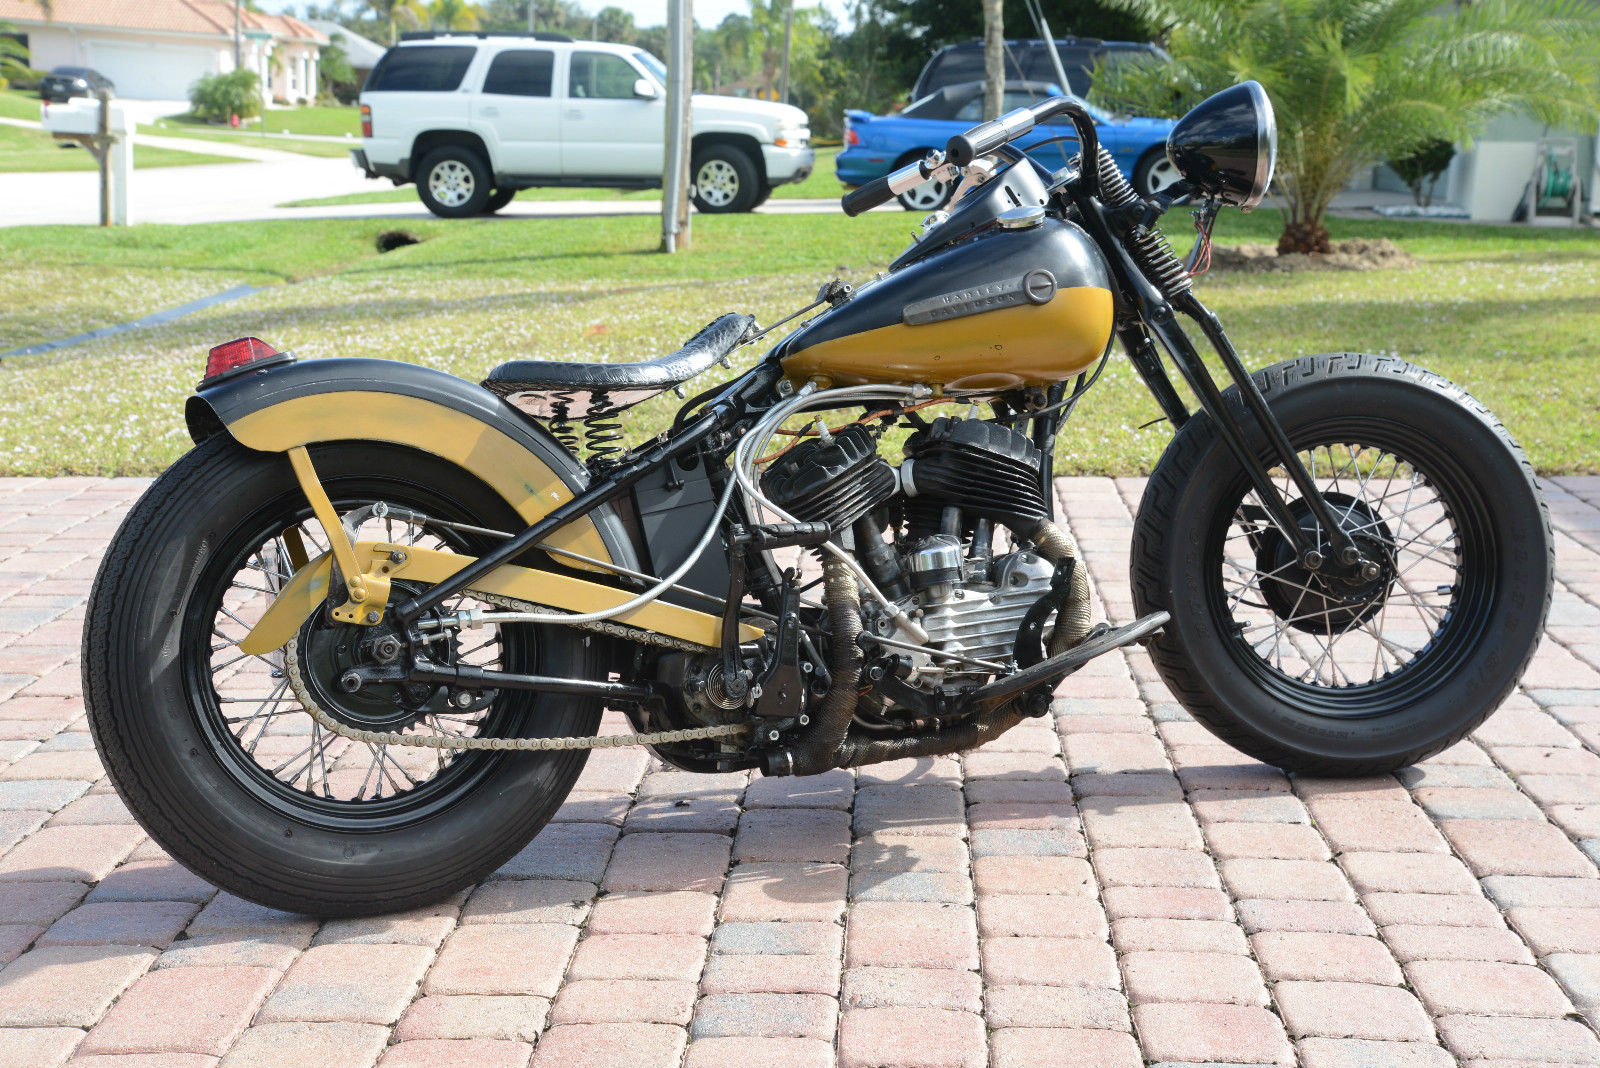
[(260, 702), (1346, 670), (1323, 631)]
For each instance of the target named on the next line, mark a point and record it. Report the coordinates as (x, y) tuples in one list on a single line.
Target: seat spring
[(601, 431), (560, 422)]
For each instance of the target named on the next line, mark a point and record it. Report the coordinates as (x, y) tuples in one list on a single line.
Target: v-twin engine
[(924, 532)]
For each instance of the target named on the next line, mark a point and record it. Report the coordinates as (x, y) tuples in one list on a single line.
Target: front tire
[(1326, 676), (209, 748), (454, 182), (725, 180)]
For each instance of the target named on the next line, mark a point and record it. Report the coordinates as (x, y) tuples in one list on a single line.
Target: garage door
[(151, 72)]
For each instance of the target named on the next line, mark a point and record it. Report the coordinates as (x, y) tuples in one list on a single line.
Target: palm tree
[(1356, 82), (453, 15), (392, 12)]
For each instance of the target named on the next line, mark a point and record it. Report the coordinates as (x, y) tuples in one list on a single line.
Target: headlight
[(1227, 146), (793, 137)]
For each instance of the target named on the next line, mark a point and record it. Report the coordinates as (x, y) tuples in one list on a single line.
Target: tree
[(334, 71), (13, 56), (453, 15), (1355, 82), (390, 13), (994, 58), (939, 22), (1421, 169), (614, 24)]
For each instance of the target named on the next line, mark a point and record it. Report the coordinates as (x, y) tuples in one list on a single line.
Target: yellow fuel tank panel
[(1005, 309)]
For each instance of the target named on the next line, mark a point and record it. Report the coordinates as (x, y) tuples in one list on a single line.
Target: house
[(362, 53), (157, 49)]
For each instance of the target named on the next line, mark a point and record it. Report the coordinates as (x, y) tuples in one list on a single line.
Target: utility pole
[(533, 7), (994, 58), (788, 35), (238, 37), (679, 132)]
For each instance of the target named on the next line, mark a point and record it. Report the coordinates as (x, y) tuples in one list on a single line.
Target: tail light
[(851, 138), (366, 120), (235, 355)]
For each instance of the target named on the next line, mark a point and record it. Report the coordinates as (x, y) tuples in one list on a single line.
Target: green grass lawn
[(820, 183), (34, 150), (315, 121), (17, 104), (218, 135), (1509, 313)]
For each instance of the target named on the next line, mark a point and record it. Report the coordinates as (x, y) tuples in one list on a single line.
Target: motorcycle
[(350, 654)]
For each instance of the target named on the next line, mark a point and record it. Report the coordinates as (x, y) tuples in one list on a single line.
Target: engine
[(925, 533)]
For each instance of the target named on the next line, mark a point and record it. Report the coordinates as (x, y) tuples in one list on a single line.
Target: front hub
[(1327, 601)]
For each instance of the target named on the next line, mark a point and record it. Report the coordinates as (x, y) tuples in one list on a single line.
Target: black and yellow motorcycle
[(351, 652)]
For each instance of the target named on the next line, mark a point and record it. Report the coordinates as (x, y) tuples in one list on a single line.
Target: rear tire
[(1154, 172), (213, 800), (499, 199), (1348, 680), (454, 182), (929, 196)]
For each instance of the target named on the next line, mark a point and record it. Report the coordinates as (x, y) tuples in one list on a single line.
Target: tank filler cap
[(1021, 218)]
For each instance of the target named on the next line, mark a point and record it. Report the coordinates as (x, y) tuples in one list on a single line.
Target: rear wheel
[(454, 182), (1351, 675), (214, 751), (1154, 172), (498, 199), (929, 196)]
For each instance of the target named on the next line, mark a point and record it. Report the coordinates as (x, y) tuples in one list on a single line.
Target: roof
[(362, 52), (214, 18)]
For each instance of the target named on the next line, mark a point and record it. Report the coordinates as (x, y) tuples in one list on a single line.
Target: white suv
[(472, 118)]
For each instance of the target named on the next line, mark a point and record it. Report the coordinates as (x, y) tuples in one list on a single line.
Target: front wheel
[(498, 199), (213, 750), (1348, 675), (725, 180)]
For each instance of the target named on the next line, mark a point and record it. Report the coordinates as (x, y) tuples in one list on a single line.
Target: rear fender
[(298, 404)]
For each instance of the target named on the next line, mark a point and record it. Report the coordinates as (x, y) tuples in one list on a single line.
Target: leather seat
[(530, 384)]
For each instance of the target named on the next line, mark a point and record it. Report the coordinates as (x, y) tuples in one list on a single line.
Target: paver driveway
[(1104, 889)]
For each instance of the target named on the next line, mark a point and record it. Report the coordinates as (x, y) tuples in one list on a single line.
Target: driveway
[(1101, 888)]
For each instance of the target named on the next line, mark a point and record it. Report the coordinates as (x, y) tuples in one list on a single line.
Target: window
[(653, 65), (520, 73), (420, 69), (601, 76), (972, 110)]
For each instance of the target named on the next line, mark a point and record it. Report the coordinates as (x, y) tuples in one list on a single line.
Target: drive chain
[(291, 660)]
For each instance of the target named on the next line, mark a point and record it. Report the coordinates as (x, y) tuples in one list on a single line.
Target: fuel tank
[(1009, 308)]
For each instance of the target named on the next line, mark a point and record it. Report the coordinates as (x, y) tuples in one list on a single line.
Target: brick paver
[(1108, 886)]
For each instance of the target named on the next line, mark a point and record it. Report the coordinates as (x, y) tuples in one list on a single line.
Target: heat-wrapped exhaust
[(1072, 621)]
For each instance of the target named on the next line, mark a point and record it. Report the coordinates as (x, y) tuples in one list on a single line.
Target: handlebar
[(880, 190), (981, 140)]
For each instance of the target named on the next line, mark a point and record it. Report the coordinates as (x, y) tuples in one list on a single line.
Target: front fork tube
[(1163, 322)]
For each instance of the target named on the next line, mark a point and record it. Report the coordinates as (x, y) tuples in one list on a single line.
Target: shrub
[(215, 97), (1421, 169)]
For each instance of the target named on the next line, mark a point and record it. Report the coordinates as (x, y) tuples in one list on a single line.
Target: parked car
[(874, 145), (1030, 61), (471, 119), (64, 83)]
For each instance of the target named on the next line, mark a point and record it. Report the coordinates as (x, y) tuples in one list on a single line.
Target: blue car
[(874, 145)]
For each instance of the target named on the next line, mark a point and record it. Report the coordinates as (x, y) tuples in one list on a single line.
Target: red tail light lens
[(851, 138), (366, 120), (236, 354)]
